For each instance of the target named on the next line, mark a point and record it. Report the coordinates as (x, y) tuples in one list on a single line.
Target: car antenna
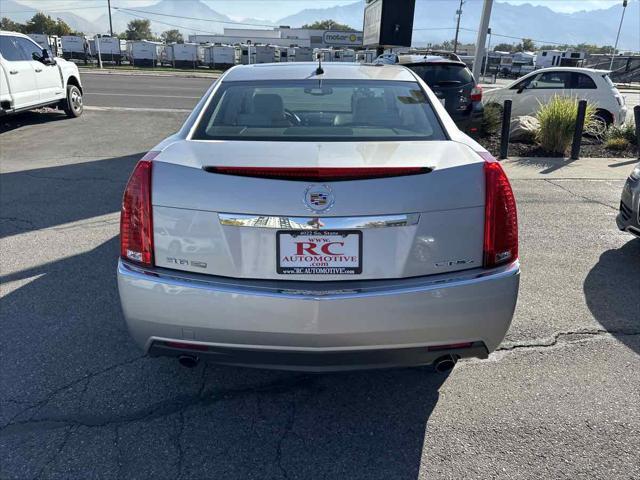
[(319, 70)]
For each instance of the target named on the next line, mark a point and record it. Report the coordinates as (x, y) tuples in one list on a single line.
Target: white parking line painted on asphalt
[(135, 109), (139, 95)]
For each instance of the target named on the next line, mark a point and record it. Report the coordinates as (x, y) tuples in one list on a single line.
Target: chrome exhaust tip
[(445, 363), (188, 361)]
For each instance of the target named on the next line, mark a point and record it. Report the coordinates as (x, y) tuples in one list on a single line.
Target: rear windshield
[(443, 74), (313, 110)]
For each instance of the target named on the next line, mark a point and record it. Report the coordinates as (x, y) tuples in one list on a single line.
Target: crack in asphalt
[(563, 337), (180, 404), (160, 409), (67, 386), (577, 195)]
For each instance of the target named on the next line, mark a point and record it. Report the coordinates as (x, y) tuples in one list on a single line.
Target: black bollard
[(577, 134), (506, 125)]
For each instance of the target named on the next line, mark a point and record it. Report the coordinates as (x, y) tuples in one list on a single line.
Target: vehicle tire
[(599, 125), (73, 105)]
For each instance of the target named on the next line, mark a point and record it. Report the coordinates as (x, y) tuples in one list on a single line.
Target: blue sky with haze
[(275, 9)]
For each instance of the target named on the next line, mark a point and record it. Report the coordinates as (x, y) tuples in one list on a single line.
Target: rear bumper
[(318, 327)]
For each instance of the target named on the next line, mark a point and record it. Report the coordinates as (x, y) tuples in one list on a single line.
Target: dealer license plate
[(321, 252)]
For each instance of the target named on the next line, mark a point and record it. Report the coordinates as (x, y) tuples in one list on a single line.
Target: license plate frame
[(314, 270)]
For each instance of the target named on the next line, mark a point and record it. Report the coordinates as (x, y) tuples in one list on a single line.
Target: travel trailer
[(144, 53), (219, 56)]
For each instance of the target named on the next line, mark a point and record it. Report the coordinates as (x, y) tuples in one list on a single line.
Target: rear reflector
[(500, 216), (449, 346), (136, 225), (187, 346), (311, 174)]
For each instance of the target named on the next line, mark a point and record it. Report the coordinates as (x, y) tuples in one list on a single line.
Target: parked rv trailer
[(50, 42), (340, 55), (183, 55), (75, 47), (110, 50), (302, 54), (265, 53), (143, 53), (367, 56), (557, 58), (242, 54), (283, 54), (219, 56)]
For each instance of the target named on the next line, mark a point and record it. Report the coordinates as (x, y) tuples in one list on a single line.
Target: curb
[(133, 73)]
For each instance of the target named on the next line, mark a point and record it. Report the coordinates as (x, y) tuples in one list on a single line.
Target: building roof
[(305, 70)]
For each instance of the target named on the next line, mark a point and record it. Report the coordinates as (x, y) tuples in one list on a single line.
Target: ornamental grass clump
[(558, 122)]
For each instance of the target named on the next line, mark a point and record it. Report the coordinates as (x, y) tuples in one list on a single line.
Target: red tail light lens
[(500, 216), (319, 174), (476, 94), (136, 224)]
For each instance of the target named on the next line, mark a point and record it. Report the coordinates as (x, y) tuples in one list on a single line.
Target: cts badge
[(318, 198)]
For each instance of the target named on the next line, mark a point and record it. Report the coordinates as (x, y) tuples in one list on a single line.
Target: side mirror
[(520, 90), (44, 58)]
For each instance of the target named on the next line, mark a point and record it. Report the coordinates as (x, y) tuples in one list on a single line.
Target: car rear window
[(317, 110), (443, 74)]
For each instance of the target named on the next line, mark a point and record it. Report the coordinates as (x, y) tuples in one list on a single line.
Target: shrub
[(491, 120), (558, 122), (626, 131), (617, 144)]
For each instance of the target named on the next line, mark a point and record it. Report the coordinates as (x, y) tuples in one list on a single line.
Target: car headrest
[(369, 110), (269, 104)]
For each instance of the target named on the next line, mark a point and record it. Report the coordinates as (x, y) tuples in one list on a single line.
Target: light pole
[(110, 22), (455, 40), (486, 61), (615, 48), (482, 38)]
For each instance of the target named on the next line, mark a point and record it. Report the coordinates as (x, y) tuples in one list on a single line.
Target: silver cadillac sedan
[(319, 218)]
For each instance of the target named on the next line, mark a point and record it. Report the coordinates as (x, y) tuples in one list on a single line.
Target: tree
[(10, 25), (172, 36), (41, 23), (139, 30), (526, 45), (503, 47), (328, 25)]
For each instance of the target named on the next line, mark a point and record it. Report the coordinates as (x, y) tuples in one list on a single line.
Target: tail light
[(500, 216), (313, 174), (136, 223), (476, 94)]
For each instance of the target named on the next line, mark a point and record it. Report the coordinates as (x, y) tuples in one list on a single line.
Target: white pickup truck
[(31, 77)]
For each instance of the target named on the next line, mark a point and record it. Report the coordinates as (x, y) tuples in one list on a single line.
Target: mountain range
[(434, 21)]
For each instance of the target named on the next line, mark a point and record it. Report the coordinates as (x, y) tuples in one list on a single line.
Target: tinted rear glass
[(443, 75), (330, 110)]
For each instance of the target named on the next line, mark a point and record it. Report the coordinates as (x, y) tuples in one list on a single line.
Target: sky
[(275, 9)]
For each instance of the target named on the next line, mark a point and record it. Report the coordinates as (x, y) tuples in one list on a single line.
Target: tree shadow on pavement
[(79, 400), (45, 197), (612, 291)]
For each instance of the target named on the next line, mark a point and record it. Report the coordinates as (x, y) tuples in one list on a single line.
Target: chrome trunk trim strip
[(318, 223)]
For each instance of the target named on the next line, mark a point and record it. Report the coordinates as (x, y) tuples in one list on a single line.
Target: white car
[(31, 77), (538, 87), (317, 220)]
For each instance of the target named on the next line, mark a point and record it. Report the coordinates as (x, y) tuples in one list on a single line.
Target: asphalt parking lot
[(559, 399)]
